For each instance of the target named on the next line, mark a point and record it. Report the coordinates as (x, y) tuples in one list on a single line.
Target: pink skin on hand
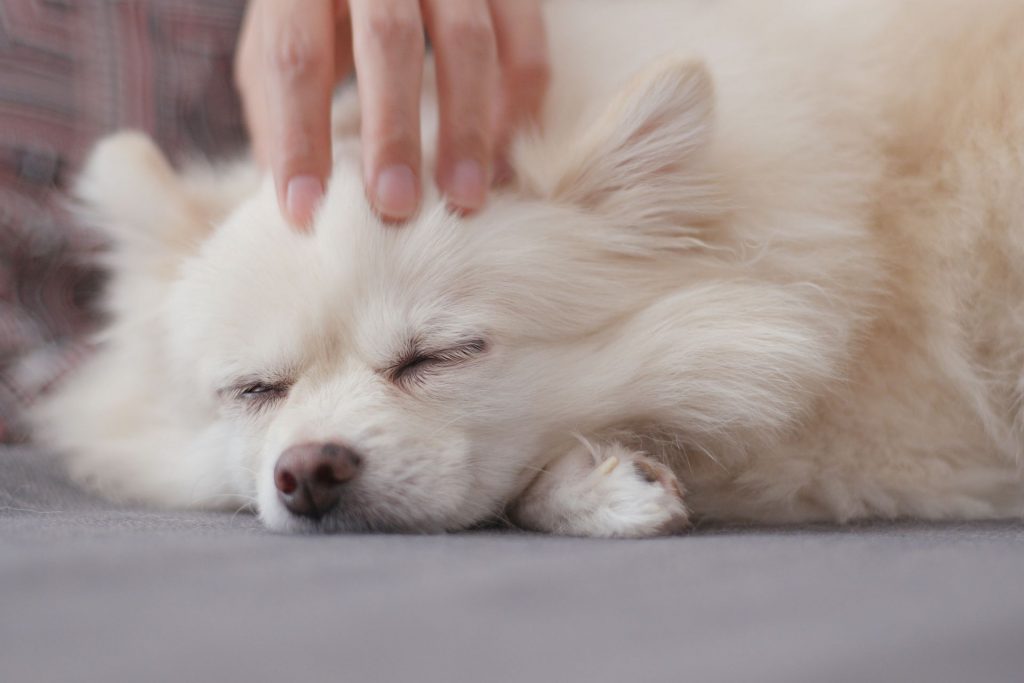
[(492, 70)]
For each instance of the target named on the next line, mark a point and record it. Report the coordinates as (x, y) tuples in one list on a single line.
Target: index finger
[(389, 46), (466, 57), (298, 52)]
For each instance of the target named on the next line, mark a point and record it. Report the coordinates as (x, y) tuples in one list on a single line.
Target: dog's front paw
[(630, 495), (625, 495)]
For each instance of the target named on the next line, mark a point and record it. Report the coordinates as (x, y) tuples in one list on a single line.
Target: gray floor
[(90, 592)]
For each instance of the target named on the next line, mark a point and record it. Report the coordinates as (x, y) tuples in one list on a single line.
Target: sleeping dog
[(761, 261)]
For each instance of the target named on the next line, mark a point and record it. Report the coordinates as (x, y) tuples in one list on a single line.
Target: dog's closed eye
[(416, 364), (258, 394)]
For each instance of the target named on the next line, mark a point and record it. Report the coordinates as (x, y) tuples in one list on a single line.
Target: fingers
[(299, 57), (467, 79), (492, 66), (285, 71), (388, 45)]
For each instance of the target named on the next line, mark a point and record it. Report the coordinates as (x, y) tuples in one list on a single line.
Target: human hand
[(492, 71)]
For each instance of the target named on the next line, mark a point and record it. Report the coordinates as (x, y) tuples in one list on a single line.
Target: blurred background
[(71, 71)]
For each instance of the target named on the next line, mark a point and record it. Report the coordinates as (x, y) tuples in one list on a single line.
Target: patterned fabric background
[(70, 71)]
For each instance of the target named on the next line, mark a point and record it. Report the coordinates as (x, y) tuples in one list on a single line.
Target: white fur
[(776, 246)]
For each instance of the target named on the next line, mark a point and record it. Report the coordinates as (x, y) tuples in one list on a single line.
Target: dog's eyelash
[(417, 362), (260, 394)]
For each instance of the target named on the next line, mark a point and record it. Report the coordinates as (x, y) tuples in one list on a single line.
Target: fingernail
[(302, 196), (468, 186), (395, 192)]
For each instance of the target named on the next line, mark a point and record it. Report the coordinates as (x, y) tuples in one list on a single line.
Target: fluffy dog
[(772, 251)]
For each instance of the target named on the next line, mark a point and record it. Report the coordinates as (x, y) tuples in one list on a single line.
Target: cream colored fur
[(777, 247)]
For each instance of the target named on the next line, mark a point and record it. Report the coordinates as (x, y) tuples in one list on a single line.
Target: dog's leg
[(603, 490)]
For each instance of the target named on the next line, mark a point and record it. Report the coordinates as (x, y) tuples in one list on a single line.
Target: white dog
[(773, 251)]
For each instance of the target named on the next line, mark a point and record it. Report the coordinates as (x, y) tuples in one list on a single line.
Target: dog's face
[(428, 351), (444, 361)]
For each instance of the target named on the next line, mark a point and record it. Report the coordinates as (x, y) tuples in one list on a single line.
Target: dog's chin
[(278, 519), (355, 516)]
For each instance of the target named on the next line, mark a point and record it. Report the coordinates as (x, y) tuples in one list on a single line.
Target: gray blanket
[(95, 592)]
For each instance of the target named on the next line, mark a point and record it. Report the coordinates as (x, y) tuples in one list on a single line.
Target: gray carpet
[(93, 592)]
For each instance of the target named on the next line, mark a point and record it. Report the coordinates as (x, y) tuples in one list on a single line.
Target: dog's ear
[(643, 160), (129, 191)]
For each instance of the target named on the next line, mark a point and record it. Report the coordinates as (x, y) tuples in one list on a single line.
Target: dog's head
[(367, 376)]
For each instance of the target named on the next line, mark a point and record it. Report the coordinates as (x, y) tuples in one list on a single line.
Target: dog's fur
[(775, 247)]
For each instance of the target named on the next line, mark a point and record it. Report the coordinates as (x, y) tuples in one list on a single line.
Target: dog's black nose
[(310, 477)]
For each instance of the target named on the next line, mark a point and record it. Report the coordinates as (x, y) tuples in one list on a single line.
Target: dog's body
[(794, 275)]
